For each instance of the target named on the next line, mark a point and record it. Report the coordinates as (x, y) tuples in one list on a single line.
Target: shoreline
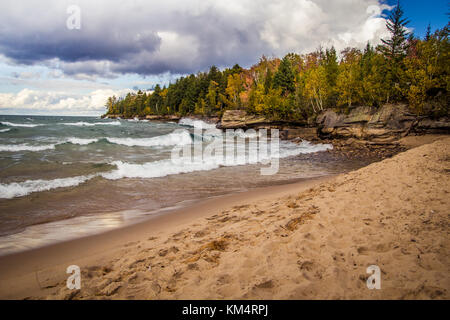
[(139, 216), (24, 264)]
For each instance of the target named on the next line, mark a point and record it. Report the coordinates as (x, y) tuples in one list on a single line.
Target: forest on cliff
[(403, 69)]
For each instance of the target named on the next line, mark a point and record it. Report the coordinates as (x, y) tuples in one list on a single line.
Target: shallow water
[(65, 177)]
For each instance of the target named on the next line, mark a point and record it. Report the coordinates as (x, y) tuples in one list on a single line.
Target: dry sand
[(311, 240)]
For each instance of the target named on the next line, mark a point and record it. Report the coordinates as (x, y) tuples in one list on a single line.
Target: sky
[(66, 57)]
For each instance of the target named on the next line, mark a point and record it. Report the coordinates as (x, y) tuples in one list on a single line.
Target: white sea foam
[(25, 147), (89, 124), (20, 189), (153, 169), (25, 125), (136, 119), (81, 141), (196, 123), (289, 149), (37, 148), (4, 130), (171, 139), (247, 134)]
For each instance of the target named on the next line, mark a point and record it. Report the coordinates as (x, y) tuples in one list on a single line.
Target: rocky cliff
[(386, 124), (382, 125)]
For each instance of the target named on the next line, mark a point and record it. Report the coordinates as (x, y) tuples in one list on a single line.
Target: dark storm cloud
[(71, 46), (154, 37)]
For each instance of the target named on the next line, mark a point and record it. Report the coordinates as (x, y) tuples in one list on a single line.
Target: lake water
[(66, 177)]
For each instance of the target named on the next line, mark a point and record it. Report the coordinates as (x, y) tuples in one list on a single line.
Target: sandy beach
[(310, 240)]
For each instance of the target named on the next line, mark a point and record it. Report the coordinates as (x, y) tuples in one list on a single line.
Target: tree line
[(403, 69)]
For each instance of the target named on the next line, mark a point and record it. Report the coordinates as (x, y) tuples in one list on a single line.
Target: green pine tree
[(395, 47), (284, 77)]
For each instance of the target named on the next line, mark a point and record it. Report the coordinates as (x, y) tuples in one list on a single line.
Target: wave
[(153, 169), (25, 147), (4, 130), (20, 189), (37, 148), (89, 124), (196, 123), (171, 139), (25, 125), (81, 141), (137, 120), (164, 168), (289, 149)]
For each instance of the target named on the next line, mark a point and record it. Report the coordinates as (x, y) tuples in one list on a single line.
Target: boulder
[(381, 125), (152, 117), (235, 119), (173, 118), (304, 133), (240, 119), (441, 125), (111, 116), (162, 117)]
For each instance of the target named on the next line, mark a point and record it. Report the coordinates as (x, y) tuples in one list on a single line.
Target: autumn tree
[(212, 98), (268, 81), (427, 70), (316, 88), (375, 81), (234, 88), (111, 105), (331, 64), (349, 83)]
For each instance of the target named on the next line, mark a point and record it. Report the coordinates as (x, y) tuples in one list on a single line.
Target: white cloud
[(52, 102)]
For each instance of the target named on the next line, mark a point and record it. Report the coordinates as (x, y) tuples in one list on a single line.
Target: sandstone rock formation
[(235, 119), (385, 124)]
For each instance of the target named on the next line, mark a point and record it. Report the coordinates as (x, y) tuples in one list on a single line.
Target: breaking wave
[(20, 189), (81, 141), (25, 125), (171, 139), (89, 124), (25, 147)]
